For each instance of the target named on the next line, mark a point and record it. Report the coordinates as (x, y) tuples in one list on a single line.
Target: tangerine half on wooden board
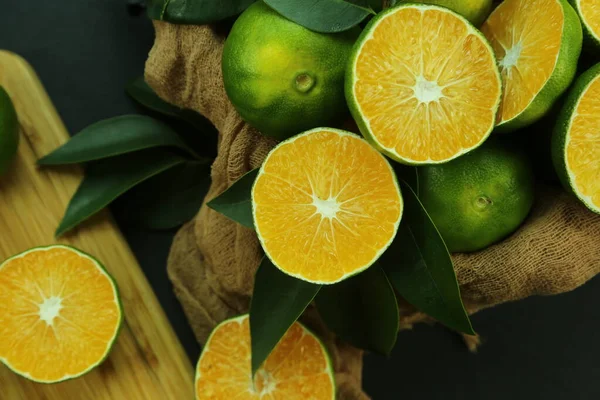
[(60, 313)]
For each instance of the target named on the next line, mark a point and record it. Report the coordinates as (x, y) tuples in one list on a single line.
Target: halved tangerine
[(326, 205), (537, 43), (297, 369), (59, 313), (423, 84)]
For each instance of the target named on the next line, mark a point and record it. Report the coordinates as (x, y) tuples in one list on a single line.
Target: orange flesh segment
[(53, 344), (427, 85), (526, 36), (296, 369), (583, 144), (325, 206), (590, 12)]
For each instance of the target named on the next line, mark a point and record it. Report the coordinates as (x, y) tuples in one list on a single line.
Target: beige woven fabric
[(213, 260)]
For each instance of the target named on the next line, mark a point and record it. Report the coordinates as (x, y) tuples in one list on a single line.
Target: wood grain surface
[(148, 361)]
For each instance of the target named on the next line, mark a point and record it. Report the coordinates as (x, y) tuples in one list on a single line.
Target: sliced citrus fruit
[(297, 369), (538, 43), (423, 84), (589, 13), (576, 140), (476, 11), (326, 205), (59, 313)]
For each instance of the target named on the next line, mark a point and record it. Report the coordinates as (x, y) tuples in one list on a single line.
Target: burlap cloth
[(213, 260)]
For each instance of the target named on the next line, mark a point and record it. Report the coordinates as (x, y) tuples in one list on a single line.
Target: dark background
[(85, 51)]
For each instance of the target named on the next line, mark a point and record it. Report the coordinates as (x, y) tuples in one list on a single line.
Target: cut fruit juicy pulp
[(297, 369), (326, 205), (59, 314), (583, 146), (590, 13), (425, 85), (526, 36)]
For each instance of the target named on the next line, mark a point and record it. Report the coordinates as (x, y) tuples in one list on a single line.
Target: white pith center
[(50, 309), (327, 208), (512, 56), (268, 382), (427, 91)]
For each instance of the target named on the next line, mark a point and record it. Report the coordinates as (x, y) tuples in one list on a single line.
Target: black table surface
[(85, 51)]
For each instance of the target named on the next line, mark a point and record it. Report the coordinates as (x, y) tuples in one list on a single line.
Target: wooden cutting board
[(148, 361)]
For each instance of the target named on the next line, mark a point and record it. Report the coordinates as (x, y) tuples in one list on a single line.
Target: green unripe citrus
[(480, 198), (282, 78)]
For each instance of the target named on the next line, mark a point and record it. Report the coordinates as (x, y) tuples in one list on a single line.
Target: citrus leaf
[(277, 302), (362, 310), (408, 174), (115, 136), (195, 12), (139, 90), (420, 268), (323, 15), (170, 198), (236, 202), (107, 179), (9, 131)]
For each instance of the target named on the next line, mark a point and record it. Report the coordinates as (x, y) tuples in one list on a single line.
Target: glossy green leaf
[(324, 15), (420, 268), (169, 199), (9, 131), (139, 90), (277, 302), (106, 180), (115, 136), (195, 12), (236, 202), (362, 310)]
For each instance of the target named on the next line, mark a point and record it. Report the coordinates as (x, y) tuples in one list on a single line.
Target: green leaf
[(139, 90), (277, 302), (195, 12), (106, 180), (408, 174), (323, 15), (362, 310), (420, 268), (236, 202), (169, 199), (115, 136)]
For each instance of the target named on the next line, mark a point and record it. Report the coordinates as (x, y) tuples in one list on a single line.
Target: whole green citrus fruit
[(9, 131), (282, 78), (480, 198)]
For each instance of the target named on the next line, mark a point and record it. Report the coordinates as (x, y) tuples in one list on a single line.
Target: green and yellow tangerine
[(282, 78)]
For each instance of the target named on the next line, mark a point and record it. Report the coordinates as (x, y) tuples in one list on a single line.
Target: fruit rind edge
[(591, 41)]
